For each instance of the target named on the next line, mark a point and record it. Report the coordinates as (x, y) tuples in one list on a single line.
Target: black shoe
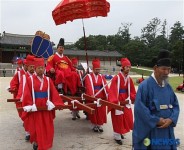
[(61, 91), (122, 136), (27, 138), (73, 118), (100, 129), (95, 129), (78, 116), (35, 146), (119, 142)]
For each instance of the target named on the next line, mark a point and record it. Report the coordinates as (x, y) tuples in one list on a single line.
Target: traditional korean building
[(16, 45)]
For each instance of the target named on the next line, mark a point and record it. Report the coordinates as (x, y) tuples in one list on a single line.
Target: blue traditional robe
[(147, 113)]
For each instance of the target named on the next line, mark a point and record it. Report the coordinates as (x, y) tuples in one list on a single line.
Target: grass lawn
[(140, 71), (174, 82)]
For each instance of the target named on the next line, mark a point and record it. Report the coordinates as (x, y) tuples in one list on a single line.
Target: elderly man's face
[(162, 72), (60, 50)]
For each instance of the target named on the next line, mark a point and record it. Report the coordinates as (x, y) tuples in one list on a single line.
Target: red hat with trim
[(96, 64), (30, 59), (19, 61), (39, 62), (25, 62), (125, 62)]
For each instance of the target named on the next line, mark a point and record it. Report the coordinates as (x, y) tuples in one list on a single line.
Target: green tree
[(111, 42), (176, 45), (124, 33), (135, 51), (177, 32), (80, 44), (150, 32), (177, 55), (163, 31)]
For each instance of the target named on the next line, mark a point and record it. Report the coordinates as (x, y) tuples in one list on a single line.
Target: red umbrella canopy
[(69, 10), (97, 8)]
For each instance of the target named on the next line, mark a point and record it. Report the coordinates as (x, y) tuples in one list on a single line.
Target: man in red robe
[(61, 67), (40, 92), (93, 83), (76, 83), (122, 89), (15, 81), (30, 71), (20, 64)]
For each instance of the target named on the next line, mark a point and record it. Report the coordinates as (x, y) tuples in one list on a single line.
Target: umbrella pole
[(85, 45)]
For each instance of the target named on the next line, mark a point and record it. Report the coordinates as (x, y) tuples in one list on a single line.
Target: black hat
[(163, 58), (61, 42)]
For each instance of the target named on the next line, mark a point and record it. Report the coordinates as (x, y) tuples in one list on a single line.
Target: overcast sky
[(28, 16)]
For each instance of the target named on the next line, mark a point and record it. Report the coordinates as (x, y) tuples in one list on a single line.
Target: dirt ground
[(69, 134)]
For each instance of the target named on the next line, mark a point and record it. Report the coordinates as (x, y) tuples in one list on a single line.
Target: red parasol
[(69, 10)]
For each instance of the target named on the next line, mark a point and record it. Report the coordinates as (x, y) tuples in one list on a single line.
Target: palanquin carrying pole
[(103, 102)]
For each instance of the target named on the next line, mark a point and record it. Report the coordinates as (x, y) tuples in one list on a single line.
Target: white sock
[(117, 136), (27, 133)]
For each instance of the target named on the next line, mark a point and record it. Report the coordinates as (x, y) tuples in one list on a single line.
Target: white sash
[(49, 104), (31, 107)]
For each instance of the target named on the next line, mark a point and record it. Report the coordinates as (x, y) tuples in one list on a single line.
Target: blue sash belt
[(97, 87), (122, 90), (41, 95)]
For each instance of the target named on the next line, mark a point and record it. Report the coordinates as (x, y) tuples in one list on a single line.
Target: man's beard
[(166, 80)]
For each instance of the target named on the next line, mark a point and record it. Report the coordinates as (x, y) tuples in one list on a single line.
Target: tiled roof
[(95, 53), (16, 39)]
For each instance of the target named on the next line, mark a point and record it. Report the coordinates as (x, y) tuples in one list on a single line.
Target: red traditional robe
[(15, 85), (64, 71), (40, 123), (93, 83), (118, 92), (19, 68), (21, 90)]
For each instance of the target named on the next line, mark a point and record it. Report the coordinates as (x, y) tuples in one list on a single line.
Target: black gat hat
[(61, 42), (163, 58)]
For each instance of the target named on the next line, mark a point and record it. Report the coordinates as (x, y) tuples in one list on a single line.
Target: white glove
[(98, 103), (50, 105), (34, 108), (27, 108), (118, 112), (73, 104), (30, 108), (129, 103)]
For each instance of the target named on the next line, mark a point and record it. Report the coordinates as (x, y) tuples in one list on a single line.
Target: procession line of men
[(35, 90)]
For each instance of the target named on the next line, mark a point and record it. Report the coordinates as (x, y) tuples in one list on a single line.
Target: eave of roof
[(16, 39)]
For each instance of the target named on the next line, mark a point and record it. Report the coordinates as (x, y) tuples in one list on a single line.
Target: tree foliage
[(140, 50)]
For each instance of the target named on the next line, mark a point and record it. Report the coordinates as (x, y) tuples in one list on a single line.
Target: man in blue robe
[(156, 109)]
